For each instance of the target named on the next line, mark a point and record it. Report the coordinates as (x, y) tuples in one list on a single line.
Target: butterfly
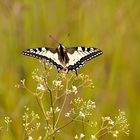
[(66, 59)]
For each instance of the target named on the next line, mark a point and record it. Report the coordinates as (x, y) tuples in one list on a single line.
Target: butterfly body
[(66, 59), (62, 55)]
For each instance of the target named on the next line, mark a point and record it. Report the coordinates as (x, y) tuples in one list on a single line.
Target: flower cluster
[(81, 108), (121, 123), (38, 78), (21, 84), (7, 120), (72, 90), (81, 136), (4, 125), (57, 84), (114, 126), (30, 122), (41, 87), (85, 81)]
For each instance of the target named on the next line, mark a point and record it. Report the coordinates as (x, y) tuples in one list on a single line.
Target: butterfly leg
[(58, 69), (76, 72)]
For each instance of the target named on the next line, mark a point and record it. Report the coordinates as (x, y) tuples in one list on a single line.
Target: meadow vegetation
[(75, 111)]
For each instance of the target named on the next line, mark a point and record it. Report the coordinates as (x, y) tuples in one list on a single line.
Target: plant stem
[(51, 104), (51, 101), (61, 127), (42, 108), (83, 127), (65, 98), (102, 134)]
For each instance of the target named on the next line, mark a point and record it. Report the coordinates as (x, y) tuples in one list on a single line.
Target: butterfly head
[(61, 47)]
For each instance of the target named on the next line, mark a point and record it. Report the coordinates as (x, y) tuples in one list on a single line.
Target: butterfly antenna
[(53, 39), (66, 37)]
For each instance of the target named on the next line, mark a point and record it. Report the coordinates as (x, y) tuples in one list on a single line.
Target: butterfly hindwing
[(49, 55), (79, 55)]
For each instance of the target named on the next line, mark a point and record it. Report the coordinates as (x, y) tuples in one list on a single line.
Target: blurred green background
[(112, 26)]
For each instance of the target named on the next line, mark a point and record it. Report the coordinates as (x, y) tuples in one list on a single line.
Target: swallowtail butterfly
[(67, 59)]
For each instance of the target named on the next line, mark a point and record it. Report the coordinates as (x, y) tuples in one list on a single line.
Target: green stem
[(57, 98), (98, 132), (65, 98), (51, 102), (42, 109), (83, 127), (51, 105), (102, 134), (61, 127)]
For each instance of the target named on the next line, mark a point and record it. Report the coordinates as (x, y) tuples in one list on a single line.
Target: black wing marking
[(49, 55), (79, 55)]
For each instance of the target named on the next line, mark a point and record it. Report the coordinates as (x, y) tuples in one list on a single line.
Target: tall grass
[(112, 26)]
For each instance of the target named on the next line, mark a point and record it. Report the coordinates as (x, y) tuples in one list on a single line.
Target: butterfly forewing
[(49, 55), (79, 55)]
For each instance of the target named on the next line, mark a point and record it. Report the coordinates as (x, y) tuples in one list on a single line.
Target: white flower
[(111, 122), (57, 83), (91, 104), (74, 89), (57, 109), (76, 137), (67, 114), (37, 125), (93, 137), (115, 133), (39, 138), (7, 119), (22, 82), (30, 138), (40, 87), (107, 118), (51, 109), (81, 114), (82, 135)]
